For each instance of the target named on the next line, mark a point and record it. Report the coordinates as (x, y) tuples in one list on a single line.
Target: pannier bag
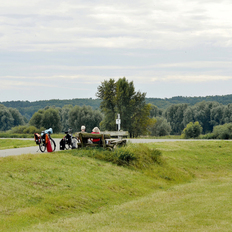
[(46, 138), (48, 131), (43, 137), (69, 139), (62, 144), (37, 138), (74, 143)]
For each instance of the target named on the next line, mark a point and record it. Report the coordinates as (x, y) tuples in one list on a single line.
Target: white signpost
[(118, 121)]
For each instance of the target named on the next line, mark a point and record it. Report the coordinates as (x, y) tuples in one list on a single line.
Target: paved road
[(25, 150), (35, 149)]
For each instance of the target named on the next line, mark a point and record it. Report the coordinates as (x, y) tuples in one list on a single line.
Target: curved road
[(35, 149)]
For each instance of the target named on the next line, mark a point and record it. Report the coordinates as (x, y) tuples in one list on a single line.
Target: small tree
[(223, 131), (192, 130), (161, 127)]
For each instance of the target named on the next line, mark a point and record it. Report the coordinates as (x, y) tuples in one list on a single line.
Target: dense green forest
[(27, 108)]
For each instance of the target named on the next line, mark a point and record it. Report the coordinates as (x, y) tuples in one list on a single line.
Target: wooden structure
[(118, 134), (105, 140)]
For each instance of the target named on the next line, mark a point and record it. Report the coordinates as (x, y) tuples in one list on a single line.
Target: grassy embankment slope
[(188, 189)]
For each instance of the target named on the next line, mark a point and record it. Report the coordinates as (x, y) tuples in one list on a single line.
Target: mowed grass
[(68, 191), (15, 143)]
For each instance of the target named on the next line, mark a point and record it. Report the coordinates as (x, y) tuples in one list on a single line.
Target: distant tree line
[(208, 114), (137, 116), (27, 109), (157, 122)]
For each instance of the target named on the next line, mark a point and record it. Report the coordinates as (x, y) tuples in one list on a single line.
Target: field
[(15, 143), (187, 188)]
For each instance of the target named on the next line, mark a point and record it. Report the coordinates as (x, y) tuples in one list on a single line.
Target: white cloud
[(192, 79), (77, 44), (61, 25)]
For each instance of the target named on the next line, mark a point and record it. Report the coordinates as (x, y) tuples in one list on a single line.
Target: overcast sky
[(55, 49)]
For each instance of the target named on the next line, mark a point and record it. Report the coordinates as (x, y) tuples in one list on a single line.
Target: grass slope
[(190, 190)]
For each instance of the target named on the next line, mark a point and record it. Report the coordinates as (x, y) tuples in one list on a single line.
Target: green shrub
[(25, 130), (192, 130), (18, 129), (208, 136), (30, 130), (223, 131), (138, 156), (161, 127)]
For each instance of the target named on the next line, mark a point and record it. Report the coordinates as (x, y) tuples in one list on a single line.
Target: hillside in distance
[(165, 102), (27, 108)]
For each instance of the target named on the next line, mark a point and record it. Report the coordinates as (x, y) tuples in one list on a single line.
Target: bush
[(18, 129), (192, 130), (223, 131), (161, 127), (134, 155), (26, 130), (30, 130), (208, 136)]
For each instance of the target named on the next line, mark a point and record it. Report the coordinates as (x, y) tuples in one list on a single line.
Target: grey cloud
[(36, 16)]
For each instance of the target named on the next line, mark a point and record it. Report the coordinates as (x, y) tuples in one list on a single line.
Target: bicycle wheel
[(42, 147), (53, 144), (68, 146)]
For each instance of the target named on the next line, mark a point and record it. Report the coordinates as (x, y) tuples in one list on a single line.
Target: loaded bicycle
[(69, 141), (44, 140)]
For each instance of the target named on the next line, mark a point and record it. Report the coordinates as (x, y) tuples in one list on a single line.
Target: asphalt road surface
[(35, 149)]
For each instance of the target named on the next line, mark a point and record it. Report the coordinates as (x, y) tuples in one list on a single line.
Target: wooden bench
[(106, 141)]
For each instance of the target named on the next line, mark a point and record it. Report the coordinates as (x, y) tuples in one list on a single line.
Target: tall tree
[(18, 118), (47, 118), (6, 119), (175, 115), (64, 114), (36, 119), (227, 114), (155, 111), (106, 92), (51, 118), (84, 115), (121, 98), (202, 114)]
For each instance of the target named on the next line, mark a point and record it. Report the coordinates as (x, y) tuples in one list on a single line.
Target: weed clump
[(138, 156)]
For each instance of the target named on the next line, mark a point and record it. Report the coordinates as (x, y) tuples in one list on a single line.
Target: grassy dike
[(186, 188)]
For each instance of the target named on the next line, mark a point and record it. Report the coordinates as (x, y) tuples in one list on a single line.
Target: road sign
[(118, 121)]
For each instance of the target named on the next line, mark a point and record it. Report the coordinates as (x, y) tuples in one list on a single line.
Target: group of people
[(95, 130)]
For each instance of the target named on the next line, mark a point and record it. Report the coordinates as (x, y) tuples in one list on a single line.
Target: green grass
[(15, 143), (189, 189), (12, 135)]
